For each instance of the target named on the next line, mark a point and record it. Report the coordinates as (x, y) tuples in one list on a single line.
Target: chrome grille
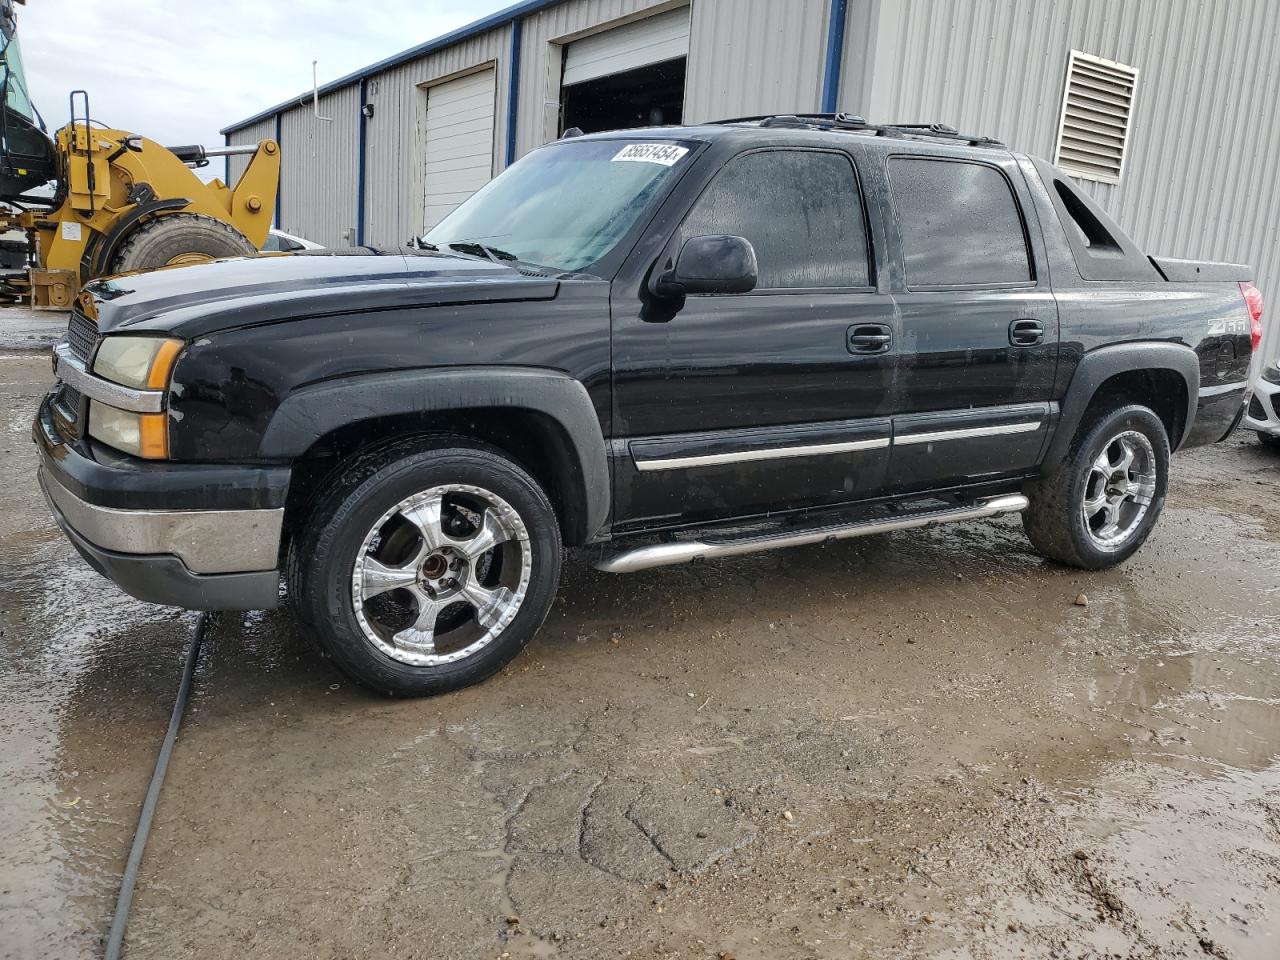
[(82, 336)]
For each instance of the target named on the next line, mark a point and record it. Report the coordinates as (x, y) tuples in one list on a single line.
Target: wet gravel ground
[(22, 328), (915, 745)]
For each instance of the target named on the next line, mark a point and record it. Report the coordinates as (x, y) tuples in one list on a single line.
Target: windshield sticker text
[(667, 154)]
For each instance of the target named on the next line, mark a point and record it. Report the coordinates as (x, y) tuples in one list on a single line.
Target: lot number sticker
[(667, 154)]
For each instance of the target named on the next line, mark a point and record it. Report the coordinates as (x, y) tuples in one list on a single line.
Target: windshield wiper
[(477, 249)]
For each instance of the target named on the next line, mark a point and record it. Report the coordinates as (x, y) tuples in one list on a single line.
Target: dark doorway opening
[(644, 97)]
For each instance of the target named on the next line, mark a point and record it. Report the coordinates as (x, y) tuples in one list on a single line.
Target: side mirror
[(715, 264)]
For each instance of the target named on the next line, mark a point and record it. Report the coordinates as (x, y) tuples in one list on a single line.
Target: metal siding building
[(395, 158), (756, 56), (321, 162), (1198, 177)]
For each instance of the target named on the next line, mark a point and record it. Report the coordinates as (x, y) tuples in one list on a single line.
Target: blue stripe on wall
[(513, 89), (360, 168), (835, 56)]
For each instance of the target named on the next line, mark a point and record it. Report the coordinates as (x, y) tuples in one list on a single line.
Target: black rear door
[(978, 337)]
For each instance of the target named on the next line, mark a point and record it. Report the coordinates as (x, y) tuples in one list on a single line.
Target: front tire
[(1271, 440), (1094, 510), (428, 571)]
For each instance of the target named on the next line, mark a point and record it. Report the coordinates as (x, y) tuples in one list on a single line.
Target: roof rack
[(855, 124)]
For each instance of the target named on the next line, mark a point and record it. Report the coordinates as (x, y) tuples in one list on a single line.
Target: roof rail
[(855, 124)]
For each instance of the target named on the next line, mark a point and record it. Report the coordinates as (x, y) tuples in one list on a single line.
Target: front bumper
[(1264, 409), (204, 537)]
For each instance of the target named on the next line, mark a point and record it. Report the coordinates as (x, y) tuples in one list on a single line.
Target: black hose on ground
[(115, 939)]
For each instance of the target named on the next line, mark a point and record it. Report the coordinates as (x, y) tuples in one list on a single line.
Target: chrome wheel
[(1119, 490), (441, 574)]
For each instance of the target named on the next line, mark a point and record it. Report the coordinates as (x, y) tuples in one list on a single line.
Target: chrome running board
[(687, 551)]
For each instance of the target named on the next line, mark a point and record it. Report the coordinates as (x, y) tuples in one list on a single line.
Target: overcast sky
[(178, 70)]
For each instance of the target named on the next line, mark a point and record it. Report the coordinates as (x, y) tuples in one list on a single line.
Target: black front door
[(734, 405), (979, 323)]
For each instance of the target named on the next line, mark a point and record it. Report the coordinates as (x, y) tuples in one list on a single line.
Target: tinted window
[(801, 211), (566, 206), (959, 223)]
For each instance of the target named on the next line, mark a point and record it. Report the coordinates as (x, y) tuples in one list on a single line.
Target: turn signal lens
[(1253, 300), (144, 363), (141, 434)]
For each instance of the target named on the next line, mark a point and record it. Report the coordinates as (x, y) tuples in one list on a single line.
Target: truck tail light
[(1253, 300)]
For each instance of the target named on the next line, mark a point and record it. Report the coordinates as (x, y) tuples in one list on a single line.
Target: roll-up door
[(655, 39), (459, 142)]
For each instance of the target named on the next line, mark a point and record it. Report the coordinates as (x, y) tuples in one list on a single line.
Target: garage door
[(459, 142), (651, 40)]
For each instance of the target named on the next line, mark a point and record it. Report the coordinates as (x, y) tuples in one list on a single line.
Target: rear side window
[(959, 223), (800, 209)]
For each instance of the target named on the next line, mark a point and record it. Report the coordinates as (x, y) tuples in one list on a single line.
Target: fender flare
[(1100, 365), (312, 412)]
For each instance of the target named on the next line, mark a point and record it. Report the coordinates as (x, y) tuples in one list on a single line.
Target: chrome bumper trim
[(206, 541), (71, 370), (686, 551)]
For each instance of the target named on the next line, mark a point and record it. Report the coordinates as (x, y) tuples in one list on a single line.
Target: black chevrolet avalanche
[(660, 346)]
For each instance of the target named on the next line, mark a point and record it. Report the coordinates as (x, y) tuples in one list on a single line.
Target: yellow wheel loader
[(120, 202)]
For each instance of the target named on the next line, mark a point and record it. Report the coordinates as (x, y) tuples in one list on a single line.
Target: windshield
[(564, 206), (15, 80)]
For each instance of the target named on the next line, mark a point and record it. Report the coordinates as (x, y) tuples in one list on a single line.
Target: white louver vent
[(1096, 105)]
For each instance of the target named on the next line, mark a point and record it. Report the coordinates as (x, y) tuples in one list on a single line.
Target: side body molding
[(311, 412), (1098, 366)]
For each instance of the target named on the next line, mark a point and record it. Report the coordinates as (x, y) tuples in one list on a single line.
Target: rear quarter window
[(959, 223)]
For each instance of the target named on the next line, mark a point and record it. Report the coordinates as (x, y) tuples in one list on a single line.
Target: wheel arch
[(544, 420), (1164, 376)]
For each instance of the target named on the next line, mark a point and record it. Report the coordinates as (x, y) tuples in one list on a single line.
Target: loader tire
[(177, 239)]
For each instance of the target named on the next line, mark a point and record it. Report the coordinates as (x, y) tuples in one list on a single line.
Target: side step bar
[(687, 551)]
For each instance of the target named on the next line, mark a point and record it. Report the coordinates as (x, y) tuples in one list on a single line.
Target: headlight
[(143, 363), (1271, 374)]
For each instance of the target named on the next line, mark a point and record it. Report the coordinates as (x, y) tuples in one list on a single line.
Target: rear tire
[(178, 238), (425, 571), (1097, 507)]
